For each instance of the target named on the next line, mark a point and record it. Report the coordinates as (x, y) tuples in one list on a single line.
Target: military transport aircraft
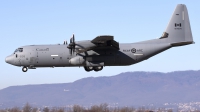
[(104, 50)]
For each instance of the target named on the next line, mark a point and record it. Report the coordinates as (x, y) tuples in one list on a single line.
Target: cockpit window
[(19, 50)]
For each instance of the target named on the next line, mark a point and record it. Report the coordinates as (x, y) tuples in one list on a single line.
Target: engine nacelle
[(78, 60)]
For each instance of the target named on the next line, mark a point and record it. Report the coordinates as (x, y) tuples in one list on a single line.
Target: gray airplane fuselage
[(104, 50), (59, 56)]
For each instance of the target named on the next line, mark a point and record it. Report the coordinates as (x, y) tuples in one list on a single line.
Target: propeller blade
[(70, 40), (72, 45), (71, 51), (73, 38)]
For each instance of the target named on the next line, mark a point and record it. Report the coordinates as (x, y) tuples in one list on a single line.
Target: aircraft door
[(33, 58), (43, 58)]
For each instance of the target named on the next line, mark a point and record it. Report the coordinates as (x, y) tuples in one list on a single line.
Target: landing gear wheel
[(88, 68), (98, 68), (24, 69)]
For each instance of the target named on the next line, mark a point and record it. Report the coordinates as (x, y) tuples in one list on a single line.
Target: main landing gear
[(90, 68), (24, 69)]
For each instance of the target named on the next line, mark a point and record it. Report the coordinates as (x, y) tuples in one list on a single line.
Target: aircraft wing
[(100, 42)]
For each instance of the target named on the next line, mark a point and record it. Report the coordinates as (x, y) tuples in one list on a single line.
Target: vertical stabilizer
[(178, 31)]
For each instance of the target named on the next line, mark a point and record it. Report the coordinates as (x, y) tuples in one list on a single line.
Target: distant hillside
[(130, 88)]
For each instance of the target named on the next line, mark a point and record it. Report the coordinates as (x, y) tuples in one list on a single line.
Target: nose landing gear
[(24, 69)]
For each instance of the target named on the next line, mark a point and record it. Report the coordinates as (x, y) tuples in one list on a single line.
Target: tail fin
[(178, 31)]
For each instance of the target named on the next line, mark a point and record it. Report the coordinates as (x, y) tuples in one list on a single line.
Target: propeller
[(72, 45), (65, 42)]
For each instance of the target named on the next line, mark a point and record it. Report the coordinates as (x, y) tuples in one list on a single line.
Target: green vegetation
[(77, 108)]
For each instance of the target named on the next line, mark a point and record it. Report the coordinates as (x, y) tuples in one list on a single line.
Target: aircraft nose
[(8, 59)]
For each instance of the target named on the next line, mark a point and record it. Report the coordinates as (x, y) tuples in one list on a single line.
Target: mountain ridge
[(128, 88)]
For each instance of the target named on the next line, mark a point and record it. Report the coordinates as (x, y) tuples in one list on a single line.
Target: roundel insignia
[(133, 50)]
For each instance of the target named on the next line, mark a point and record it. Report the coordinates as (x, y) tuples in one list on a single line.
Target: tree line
[(77, 108)]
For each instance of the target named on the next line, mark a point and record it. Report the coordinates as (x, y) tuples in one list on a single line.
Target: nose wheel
[(24, 69)]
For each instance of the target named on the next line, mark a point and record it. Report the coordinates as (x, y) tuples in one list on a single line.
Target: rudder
[(178, 31)]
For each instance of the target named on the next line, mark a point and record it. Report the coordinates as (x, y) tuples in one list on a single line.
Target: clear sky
[(25, 22)]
